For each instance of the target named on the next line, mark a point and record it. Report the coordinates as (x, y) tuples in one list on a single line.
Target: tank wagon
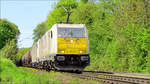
[(26, 59), (63, 47)]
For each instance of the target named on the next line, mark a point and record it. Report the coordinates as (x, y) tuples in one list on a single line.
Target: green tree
[(84, 14), (58, 14), (130, 12), (39, 31), (8, 31), (8, 39), (84, 1), (118, 32)]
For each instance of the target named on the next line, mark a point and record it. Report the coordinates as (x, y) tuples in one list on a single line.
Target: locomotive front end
[(72, 47)]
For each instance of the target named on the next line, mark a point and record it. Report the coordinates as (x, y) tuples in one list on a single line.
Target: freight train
[(63, 47)]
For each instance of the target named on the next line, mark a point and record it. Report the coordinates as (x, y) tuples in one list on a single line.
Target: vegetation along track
[(110, 78)]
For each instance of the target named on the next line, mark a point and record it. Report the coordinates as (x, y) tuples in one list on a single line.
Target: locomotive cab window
[(71, 32)]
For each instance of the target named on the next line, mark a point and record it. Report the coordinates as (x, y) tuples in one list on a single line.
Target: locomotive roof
[(71, 25)]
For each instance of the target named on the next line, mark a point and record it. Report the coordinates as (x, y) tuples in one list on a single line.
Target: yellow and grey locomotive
[(63, 47)]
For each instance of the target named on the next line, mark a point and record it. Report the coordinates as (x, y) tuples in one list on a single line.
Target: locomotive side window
[(51, 34), (37, 45), (71, 32)]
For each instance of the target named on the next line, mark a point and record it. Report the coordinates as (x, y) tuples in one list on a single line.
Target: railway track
[(110, 78)]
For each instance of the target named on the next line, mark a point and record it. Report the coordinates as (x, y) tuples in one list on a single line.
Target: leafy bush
[(9, 50), (21, 52)]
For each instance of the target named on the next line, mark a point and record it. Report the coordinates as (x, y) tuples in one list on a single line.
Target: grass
[(66, 78), (9, 73)]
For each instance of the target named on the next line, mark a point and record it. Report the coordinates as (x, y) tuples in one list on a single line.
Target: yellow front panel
[(71, 45)]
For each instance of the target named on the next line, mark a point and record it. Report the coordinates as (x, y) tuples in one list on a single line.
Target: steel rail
[(125, 78), (110, 78), (110, 75), (101, 79)]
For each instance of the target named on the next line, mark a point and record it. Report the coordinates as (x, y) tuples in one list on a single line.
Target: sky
[(26, 14)]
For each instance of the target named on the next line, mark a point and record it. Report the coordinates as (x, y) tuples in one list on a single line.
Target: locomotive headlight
[(82, 51), (60, 51), (84, 58), (60, 58)]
